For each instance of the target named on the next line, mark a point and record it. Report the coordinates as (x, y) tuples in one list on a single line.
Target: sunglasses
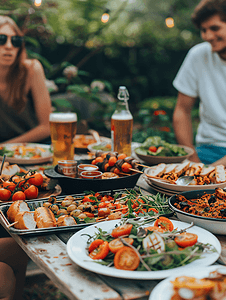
[(15, 40)]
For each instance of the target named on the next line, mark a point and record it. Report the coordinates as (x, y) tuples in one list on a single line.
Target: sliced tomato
[(122, 230), (117, 244), (95, 244), (152, 148), (89, 215), (164, 223), (126, 259), (101, 251), (155, 228), (186, 239)]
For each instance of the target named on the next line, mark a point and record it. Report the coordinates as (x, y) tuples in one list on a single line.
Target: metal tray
[(33, 204)]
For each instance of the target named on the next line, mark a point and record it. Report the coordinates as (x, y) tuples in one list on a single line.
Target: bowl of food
[(82, 142), (205, 208), (154, 150)]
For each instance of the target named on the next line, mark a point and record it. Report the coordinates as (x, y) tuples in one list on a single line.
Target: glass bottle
[(122, 124)]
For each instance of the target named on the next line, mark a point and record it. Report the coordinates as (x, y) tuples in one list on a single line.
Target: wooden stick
[(4, 217), (134, 170), (12, 224), (118, 209), (143, 166)]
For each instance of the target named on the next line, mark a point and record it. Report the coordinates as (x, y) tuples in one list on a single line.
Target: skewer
[(134, 170), (12, 224), (143, 166)]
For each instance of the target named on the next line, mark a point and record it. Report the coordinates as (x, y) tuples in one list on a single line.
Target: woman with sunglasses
[(24, 99), (24, 117)]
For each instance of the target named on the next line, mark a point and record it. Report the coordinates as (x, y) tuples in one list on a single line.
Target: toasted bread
[(220, 174), (156, 171), (170, 168), (195, 169), (66, 220), (207, 170), (182, 168)]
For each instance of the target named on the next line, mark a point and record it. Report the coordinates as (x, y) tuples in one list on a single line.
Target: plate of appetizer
[(194, 283), (105, 248), (83, 142), (26, 153), (164, 176), (154, 150)]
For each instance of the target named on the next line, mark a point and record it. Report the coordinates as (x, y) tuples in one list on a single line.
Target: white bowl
[(217, 226)]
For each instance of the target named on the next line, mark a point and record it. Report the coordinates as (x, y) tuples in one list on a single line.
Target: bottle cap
[(123, 93)]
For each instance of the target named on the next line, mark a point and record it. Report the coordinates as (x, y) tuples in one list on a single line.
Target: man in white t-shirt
[(203, 76)]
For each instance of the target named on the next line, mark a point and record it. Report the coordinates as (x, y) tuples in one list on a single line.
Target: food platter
[(159, 292), (214, 225), (166, 159), (171, 188), (25, 156), (77, 244), (82, 143)]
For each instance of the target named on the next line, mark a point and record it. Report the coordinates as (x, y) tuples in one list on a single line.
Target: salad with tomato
[(155, 146), (159, 246)]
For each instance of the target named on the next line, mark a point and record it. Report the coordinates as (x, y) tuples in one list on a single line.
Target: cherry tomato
[(122, 230), (126, 259), (152, 148), (112, 160), (126, 167), (18, 196), (31, 192), (122, 156), (10, 185), (89, 215), (36, 179), (99, 159), (186, 239), (117, 244), (99, 249), (164, 223), (4, 194)]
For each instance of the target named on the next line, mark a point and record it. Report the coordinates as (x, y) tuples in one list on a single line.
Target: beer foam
[(122, 117), (63, 117)]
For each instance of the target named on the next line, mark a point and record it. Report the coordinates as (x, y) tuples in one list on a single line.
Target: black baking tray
[(35, 203), (79, 185)]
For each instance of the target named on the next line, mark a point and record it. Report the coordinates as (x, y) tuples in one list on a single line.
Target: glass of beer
[(63, 128)]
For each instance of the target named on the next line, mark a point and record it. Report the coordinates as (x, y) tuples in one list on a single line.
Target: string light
[(105, 17), (169, 22), (37, 2)]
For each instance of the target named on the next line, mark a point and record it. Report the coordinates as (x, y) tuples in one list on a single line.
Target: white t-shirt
[(203, 75)]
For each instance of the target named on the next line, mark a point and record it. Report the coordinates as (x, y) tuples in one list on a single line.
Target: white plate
[(159, 292), (104, 140), (170, 187), (46, 154), (77, 244)]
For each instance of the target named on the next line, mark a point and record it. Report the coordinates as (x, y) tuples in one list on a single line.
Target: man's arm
[(182, 122)]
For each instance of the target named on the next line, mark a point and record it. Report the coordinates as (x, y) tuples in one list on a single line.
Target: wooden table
[(49, 253)]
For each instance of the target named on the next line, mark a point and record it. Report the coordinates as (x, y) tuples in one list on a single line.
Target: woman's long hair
[(16, 78)]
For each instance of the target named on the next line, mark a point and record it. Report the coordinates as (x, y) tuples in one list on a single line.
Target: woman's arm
[(182, 122), (42, 104)]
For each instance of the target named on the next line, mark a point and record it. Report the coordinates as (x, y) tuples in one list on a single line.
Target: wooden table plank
[(50, 254)]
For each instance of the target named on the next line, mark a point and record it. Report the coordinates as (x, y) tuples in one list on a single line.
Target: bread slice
[(181, 168), (195, 169), (220, 174), (25, 220), (207, 170), (15, 208), (170, 168), (10, 170), (156, 171)]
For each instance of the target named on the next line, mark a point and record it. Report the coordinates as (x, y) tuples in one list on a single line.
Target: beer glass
[(63, 128)]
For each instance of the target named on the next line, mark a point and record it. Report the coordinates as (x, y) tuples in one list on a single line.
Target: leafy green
[(163, 148)]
